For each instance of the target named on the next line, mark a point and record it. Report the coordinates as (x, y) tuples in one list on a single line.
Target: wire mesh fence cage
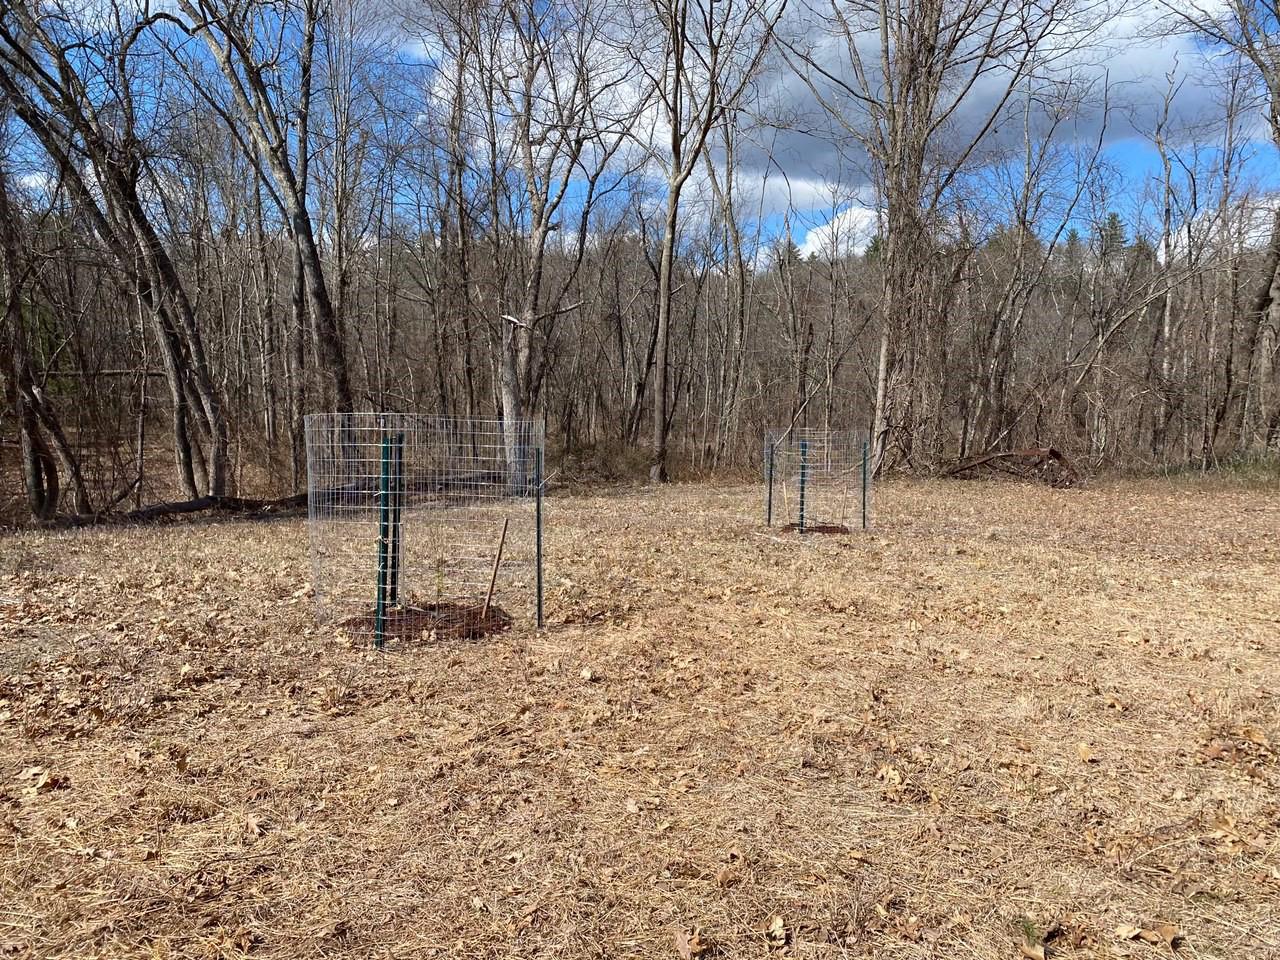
[(817, 480), (424, 526)]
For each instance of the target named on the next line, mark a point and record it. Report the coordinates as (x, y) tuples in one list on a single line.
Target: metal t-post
[(804, 477), (537, 525), (768, 501), (865, 478), (384, 531), (397, 539)]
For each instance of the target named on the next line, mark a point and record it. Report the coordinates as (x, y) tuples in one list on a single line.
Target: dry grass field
[(1010, 722)]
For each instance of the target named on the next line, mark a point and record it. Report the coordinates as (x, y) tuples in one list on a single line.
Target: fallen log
[(1043, 464), (240, 506)]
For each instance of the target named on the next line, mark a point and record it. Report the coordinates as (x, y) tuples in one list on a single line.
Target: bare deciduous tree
[(698, 57)]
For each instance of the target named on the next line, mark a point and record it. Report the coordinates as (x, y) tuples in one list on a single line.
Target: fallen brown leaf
[(1169, 934), (689, 944)]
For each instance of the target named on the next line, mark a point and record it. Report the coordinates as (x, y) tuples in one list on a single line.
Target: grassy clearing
[(1257, 471), (1009, 719)]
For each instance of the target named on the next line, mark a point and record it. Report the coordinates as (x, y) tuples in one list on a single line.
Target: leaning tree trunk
[(39, 469), (39, 472)]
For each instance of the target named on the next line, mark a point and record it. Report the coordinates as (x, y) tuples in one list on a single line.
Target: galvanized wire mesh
[(817, 480), (421, 514)]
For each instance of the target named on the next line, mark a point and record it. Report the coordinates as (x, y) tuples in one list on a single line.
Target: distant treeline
[(216, 217)]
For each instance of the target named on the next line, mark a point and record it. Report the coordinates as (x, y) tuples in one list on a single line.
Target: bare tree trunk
[(296, 361), (234, 53), (662, 341), (34, 414)]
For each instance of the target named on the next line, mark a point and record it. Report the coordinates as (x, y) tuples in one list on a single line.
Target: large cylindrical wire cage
[(817, 480), (424, 526)]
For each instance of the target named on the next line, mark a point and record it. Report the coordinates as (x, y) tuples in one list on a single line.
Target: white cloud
[(849, 231), (797, 163), (36, 182)]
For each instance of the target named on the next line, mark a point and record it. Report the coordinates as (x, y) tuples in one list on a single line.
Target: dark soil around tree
[(828, 528), (440, 621)]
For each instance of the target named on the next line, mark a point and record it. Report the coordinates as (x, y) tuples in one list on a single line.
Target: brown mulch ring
[(435, 621), (828, 528)]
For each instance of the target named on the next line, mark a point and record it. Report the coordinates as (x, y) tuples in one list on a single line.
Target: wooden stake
[(786, 503), (844, 495), (493, 577)]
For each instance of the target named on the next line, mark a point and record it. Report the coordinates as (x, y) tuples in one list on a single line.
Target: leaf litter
[(1008, 722)]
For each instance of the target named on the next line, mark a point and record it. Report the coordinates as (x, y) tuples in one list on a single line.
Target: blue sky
[(804, 178), (1138, 63)]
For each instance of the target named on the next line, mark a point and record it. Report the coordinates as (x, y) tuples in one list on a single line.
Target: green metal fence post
[(397, 500), (384, 524), (768, 503), (865, 478), (537, 524), (804, 476)]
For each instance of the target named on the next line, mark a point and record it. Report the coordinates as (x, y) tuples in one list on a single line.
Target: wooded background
[(216, 217)]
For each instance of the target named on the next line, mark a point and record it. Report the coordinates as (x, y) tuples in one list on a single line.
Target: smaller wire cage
[(424, 525), (817, 480)]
